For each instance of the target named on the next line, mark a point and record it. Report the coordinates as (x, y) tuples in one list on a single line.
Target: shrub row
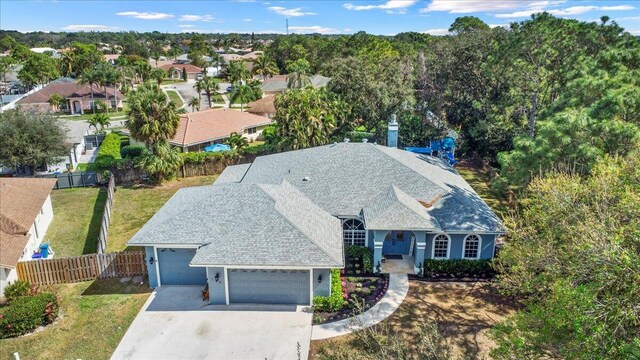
[(357, 136), (360, 252), (132, 151), (458, 268), (335, 301), (203, 157), (109, 151), (26, 313)]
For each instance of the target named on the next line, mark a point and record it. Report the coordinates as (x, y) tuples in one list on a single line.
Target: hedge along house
[(264, 229)]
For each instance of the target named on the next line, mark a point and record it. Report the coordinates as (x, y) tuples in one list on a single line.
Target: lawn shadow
[(91, 241), (123, 285)]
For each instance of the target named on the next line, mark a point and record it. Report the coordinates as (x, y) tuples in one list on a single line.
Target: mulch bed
[(363, 290)]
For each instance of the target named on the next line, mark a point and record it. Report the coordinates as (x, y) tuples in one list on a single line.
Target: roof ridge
[(186, 129), (261, 187)]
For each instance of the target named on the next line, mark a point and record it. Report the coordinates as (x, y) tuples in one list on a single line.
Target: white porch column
[(418, 255)]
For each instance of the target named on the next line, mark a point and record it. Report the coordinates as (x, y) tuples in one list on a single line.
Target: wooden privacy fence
[(82, 268), (106, 217)]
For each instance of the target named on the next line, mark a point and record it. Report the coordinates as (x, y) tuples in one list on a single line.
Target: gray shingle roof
[(345, 178), (247, 224), (395, 210), (232, 174)]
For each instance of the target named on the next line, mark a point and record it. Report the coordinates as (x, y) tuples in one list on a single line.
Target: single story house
[(277, 84), (78, 98), (175, 71), (77, 130), (25, 215), (271, 231), (263, 107)]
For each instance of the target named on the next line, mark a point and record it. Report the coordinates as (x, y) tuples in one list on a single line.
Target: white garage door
[(269, 286)]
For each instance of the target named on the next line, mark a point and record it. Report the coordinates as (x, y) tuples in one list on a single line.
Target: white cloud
[(389, 5), (247, 20), (146, 15), (186, 26), (196, 18), (294, 12), (635, 32), (471, 6), (89, 28), (437, 32), (628, 18), (498, 25), (313, 29), (570, 11)]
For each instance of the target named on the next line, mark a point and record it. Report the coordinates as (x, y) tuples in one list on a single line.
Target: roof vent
[(364, 140), (346, 140), (306, 178)]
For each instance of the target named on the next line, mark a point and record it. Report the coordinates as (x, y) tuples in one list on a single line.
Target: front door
[(76, 107), (395, 243)]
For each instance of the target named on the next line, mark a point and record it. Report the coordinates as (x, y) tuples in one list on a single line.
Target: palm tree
[(174, 52), (194, 103), (158, 75), (106, 76), (264, 66), (237, 71), (67, 63), (152, 117), (162, 162), (243, 94), (55, 100), (236, 141), (298, 80), (101, 120), (215, 61), (207, 84), (89, 77)]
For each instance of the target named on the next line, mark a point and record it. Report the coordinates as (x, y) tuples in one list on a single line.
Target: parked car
[(230, 88)]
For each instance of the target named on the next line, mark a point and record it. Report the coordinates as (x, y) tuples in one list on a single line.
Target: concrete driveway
[(176, 324)]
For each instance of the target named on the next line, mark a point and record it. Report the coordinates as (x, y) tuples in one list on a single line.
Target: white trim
[(226, 286), (269, 267), (476, 232), (155, 253), (464, 245), (310, 287), (433, 247)]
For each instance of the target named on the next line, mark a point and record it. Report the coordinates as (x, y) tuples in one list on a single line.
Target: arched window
[(353, 232), (471, 247), (441, 245)]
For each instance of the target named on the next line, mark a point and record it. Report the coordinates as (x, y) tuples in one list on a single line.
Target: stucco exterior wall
[(151, 268), (217, 289)]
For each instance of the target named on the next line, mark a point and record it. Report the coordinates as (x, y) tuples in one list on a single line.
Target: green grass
[(77, 214), (86, 167), (134, 205), (94, 316), (169, 82), (256, 143), (480, 182), (217, 98), (173, 96)]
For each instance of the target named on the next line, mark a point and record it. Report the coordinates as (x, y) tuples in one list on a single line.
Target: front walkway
[(176, 324), (397, 291)]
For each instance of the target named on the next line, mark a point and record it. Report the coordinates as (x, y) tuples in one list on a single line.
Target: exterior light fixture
[(319, 278), (151, 260), (217, 277)]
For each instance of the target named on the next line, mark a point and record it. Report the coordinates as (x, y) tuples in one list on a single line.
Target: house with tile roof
[(271, 231), (200, 129), (78, 98), (25, 215), (263, 107), (176, 71)]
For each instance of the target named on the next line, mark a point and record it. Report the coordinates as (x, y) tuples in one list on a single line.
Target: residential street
[(187, 92)]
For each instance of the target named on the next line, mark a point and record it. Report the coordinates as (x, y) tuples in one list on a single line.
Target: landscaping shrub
[(16, 289), (132, 151), (109, 151), (25, 313), (357, 136), (458, 268), (258, 150), (334, 302), (364, 256), (203, 157)]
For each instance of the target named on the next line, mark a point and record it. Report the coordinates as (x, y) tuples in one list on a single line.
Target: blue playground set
[(444, 149)]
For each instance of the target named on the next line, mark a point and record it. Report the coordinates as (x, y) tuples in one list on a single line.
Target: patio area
[(398, 266)]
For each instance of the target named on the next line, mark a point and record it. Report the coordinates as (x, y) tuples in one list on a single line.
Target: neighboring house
[(25, 215), (271, 231), (78, 98), (278, 84), (77, 130), (263, 107), (111, 58), (175, 71), (200, 129), (47, 50)]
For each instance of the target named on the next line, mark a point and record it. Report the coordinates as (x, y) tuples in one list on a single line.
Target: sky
[(386, 17)]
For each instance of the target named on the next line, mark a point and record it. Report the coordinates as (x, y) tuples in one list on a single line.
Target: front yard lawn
[(134, 205), (77, 214), (94, 315), (173, 96), (464, 313)]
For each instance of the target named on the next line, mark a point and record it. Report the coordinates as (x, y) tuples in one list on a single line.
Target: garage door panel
[(269, 286), (175, 269)]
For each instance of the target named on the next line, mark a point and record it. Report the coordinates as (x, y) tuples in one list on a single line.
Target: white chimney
[(392, 132)]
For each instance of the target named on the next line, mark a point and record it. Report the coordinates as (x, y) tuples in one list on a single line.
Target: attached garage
[(175, 269), (269, 286)]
